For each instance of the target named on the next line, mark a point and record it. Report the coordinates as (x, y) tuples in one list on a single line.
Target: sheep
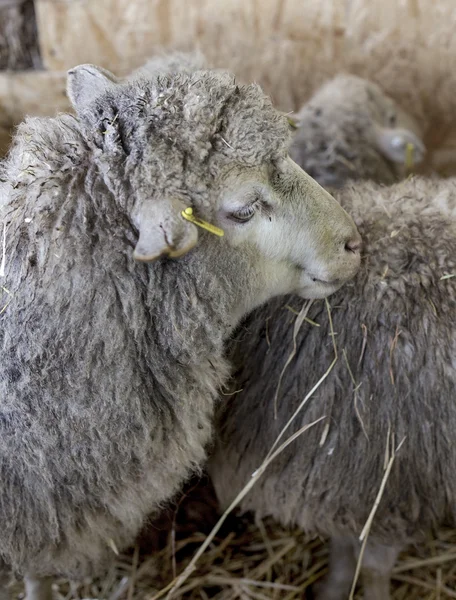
[(394, 384), (350, 129), (110, 367)]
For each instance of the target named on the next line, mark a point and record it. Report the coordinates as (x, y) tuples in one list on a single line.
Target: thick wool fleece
[(394, 381), (109, 367)]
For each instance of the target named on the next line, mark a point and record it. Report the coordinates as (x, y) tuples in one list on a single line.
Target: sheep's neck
[(195, 311), (191, 319)]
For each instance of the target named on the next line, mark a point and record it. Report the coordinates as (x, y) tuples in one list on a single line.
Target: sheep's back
[(394, 380)]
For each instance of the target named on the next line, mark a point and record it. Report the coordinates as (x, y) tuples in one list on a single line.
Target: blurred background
[(288, 46)]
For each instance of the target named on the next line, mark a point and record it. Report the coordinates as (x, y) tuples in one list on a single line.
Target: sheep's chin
[(312, 289)]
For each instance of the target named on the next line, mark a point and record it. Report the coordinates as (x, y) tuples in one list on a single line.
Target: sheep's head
[(393, 128), (351, 120), (200, 140)]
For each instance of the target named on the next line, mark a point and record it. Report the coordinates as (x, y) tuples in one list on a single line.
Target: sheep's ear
[(163, 231), (87, 82), (393, 143)]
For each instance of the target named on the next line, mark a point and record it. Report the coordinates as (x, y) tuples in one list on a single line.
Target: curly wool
[(394, 380), (109, 367)]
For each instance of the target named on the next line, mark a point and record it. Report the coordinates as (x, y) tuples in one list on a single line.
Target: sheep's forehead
[(208, 108)]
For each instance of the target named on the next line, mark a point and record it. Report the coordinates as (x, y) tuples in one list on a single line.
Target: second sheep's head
[(200, 140), (350, 129)]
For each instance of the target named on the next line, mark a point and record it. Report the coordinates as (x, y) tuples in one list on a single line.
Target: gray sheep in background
[(110, 366), (394, 381), (350, 129)]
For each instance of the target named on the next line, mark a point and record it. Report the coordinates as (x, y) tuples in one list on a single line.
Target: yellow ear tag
[(292, 122), (409, 150), (189, 216)]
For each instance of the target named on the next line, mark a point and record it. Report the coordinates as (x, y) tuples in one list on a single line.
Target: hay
[(300, 318), (273, 452), (366, 529), (247, 561)]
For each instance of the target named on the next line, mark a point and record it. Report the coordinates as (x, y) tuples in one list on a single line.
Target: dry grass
[(248, 560)]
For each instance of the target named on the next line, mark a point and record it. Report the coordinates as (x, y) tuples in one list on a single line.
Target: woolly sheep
[(350, 129), (394, 381), (110, 367)]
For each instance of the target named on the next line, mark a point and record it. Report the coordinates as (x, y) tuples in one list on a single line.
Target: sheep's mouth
[(314, 279), (326, 282), (312, 286)]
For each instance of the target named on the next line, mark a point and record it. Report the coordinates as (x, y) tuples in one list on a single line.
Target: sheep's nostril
[(353, 245)]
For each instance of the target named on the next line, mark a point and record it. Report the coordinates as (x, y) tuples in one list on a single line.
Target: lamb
[(350, 129), (394, 384), (110, 366)]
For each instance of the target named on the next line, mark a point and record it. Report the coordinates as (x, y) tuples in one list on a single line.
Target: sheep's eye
[(392, 120), (245, 213)]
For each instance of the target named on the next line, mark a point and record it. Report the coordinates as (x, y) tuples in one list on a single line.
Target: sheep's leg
[(38, 588), (342, 567), (377, 565)]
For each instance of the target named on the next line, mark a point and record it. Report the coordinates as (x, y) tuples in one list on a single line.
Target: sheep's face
[(201, 141), (392, 128), (299, 240)]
